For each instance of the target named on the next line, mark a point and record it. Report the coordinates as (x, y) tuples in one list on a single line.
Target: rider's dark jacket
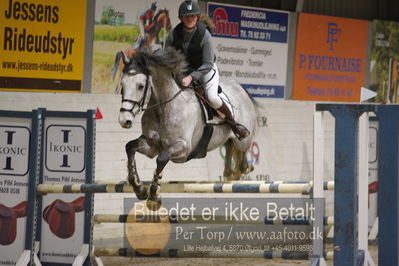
[(196, 46)]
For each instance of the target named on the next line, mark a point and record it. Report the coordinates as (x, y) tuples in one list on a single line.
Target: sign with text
[(15, 139), (14, 150), (42, 45), (202, 226), (65, 148), (330, 58), (251, 46), (64, 163)]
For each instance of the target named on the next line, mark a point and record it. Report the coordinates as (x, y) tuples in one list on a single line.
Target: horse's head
[(149, 74), (134, 85)]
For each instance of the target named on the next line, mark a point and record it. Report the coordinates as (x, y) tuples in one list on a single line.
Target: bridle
[(141, 102)]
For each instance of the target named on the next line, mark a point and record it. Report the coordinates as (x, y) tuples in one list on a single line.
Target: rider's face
[(189, 21)]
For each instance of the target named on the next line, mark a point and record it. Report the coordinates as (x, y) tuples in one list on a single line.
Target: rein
[(142, 100), (164, 102)]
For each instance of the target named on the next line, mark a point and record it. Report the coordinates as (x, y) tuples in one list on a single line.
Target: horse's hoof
[(154, 203), (249, 169), (141, 193), (236, 176), (229, 177)]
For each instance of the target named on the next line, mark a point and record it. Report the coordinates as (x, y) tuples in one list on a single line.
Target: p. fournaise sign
[(330, 58)]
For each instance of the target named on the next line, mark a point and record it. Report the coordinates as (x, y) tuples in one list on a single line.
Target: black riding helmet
[(189, 7)]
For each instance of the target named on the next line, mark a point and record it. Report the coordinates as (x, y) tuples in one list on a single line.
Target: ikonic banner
[(15, 139), (64, 163), (42, 45), (330, 58), (251, 46)]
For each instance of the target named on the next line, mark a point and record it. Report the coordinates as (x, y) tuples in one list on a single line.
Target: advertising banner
[(42, 45), (384, 66), (64, 163), (251, 46), (15, 139), (330, 58), (126, 24)]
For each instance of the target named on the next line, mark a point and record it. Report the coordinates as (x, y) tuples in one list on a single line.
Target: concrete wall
[(285, 145)]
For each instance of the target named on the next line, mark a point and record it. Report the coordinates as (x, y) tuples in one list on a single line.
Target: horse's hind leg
[(241, 164), (245, 168), (140, 145), (238, 158), (228, 172)]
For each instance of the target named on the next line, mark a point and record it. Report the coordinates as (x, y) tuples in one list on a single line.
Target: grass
[(124, 33)]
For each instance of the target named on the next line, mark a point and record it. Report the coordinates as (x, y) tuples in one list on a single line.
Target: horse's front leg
[(154, 199), (178, 151), (138, 145)]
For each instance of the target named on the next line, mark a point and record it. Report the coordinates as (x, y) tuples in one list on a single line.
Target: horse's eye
[(140, 87)]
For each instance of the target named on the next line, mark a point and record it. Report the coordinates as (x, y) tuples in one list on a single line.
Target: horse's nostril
[(128, 123)]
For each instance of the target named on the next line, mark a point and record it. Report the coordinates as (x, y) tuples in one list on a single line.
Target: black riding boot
[(239, 130)]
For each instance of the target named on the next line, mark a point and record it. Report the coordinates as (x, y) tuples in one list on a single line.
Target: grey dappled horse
[(172, 123)]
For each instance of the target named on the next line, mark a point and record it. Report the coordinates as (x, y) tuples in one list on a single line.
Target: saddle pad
[(213, 119)]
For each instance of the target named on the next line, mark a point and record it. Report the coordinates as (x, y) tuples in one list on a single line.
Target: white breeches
[(211, 82)]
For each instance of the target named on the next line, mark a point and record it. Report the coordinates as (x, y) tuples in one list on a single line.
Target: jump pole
[(125, 218), (181, 187), (175, 253)]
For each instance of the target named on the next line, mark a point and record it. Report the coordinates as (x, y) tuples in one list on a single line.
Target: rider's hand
[(186, 81)]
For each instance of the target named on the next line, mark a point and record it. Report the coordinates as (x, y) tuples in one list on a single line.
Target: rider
[(146, 19), (147, 16), (194, 39)]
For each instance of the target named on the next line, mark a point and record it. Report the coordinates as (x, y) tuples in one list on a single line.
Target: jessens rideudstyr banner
[(42, 45)]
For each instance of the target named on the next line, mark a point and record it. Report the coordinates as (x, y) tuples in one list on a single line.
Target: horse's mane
[(168, 59)]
